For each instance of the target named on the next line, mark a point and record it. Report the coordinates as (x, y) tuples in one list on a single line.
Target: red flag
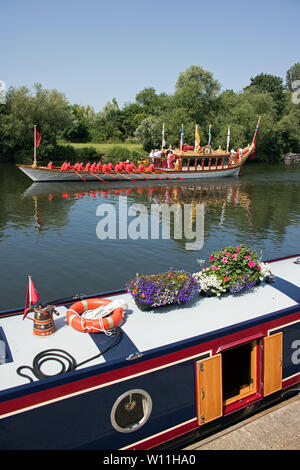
[(32, 296), (38, 138)]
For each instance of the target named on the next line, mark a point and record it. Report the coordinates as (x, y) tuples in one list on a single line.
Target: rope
[(57, 355)]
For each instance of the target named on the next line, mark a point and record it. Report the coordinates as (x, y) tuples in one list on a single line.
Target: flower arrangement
[(155, 290), (232, 269)]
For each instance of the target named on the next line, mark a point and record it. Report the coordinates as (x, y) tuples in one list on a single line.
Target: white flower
[(209, 282), (265, 271)]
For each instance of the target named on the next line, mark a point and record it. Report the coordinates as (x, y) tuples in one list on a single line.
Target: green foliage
[(48, 109), (121, 153), (292, 75), (196, 100), (232, 269), (265, 83), (82, 120), (149, 132)]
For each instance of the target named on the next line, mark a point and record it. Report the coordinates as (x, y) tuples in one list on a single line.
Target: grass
[(103, 148)]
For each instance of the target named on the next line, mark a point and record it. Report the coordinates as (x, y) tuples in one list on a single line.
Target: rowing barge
[(160, 376), (193, 163), (188, 165)]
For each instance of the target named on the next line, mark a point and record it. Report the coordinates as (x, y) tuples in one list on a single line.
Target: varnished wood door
[(272, 363), (209, 389)]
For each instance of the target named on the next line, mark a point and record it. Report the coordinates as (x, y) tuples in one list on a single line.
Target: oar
[(130, 179), (112, 175), (165, 173), (140, 173), (155, 177), (83, 179), (99, 178)]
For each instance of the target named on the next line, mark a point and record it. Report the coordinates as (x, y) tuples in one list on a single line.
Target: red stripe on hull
[(83, 385)]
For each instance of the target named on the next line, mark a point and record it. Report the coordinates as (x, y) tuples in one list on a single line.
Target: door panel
[(209, 389), (272, 363)]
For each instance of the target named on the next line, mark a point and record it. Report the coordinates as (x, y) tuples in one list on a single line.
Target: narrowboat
[(151, 378)]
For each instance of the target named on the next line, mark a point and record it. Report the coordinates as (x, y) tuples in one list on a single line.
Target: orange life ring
[(93, 325)]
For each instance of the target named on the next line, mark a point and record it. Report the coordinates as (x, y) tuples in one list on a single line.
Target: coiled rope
[(66, 361)]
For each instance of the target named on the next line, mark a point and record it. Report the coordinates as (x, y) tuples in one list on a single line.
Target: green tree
[(196, 91), (107, 125), (292, 75), (149, 132), (47, 109), (82, 120), (266, 83)]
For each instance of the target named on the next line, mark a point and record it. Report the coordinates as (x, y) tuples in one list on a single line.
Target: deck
[(146, 331)]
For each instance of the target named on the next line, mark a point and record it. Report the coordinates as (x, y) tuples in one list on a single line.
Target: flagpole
[(256, 130), (34, 150), (228, 138), (209, 135), (29, 284)]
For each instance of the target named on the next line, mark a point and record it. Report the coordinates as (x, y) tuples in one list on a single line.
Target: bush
[(121, 153), (87, 153)]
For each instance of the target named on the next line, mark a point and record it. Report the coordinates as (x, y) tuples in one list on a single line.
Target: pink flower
[(234, 256), (226, 279), (224, 260), (238, 248), (214, 267), (251, 264), (248, 257), (211, 258), (227, 254), (258, 267)]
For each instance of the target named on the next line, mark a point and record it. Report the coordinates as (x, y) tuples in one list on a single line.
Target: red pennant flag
[(38, 138), (32, 296)]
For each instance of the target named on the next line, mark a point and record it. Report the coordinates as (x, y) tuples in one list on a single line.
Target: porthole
[(131, 410)]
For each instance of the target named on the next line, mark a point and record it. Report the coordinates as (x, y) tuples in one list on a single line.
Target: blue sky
[(95, 50)]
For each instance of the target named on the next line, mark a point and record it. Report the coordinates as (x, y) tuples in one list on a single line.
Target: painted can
[(43, 322)]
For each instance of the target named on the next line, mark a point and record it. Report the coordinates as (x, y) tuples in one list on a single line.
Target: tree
[(196, 91), (82, 120), (292, 75), (133, 114), (266, 83), (47, 109), (149, 132)]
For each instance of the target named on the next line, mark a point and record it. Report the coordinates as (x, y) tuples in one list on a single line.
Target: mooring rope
[(69, 364)]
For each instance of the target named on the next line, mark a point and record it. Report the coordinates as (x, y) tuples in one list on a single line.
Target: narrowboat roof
[(149, 330)]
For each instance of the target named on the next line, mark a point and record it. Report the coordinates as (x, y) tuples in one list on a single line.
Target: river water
[(56, 232)]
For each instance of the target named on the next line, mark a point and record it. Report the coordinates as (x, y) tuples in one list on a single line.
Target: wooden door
[(272, 363), (209, 389)]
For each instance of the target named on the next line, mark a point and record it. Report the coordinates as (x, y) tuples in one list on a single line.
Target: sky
[(97, 50)]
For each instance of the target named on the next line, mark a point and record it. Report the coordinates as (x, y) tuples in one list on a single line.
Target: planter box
[(147, 307)]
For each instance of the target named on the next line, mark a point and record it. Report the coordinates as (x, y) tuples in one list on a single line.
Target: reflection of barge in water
[(172, 371)]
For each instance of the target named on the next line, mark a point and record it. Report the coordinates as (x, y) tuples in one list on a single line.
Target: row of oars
[(147, 175)]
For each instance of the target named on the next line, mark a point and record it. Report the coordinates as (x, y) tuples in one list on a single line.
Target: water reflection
[(48, 230), (214, 195)]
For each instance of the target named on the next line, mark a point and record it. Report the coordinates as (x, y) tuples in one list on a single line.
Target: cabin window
[(131, 410), (239, 378)]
